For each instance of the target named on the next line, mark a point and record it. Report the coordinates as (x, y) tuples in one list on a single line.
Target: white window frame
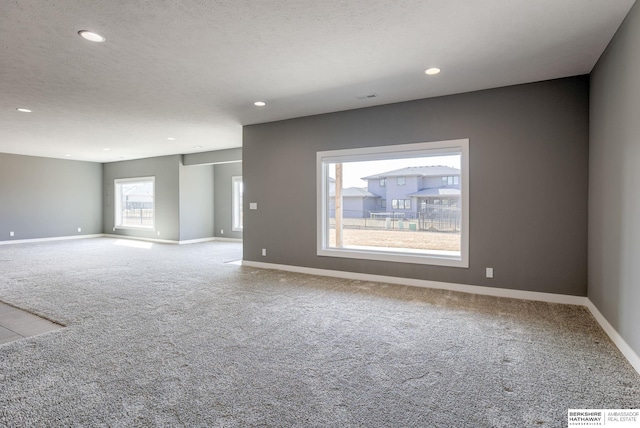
[(236, 203), (437, 148), (117, 211)]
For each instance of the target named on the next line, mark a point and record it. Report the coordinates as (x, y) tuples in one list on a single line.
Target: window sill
[(398, 255)]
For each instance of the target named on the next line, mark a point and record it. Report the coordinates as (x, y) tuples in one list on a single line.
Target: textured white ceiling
[(192, 69)]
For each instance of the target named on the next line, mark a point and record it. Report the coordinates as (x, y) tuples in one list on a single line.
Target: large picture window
[(236, 184), (135, 203), (428, 219)]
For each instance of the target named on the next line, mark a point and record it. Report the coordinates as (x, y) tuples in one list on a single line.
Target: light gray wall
[(166, 170), (614, 175), (528, 182), (45, 198), (223, 198), (196, 202)]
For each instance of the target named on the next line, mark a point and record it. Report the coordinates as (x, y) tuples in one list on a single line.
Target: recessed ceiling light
[(197, 147), (260, 104), (23, 110), (170, 138), (91, 36), (106, 149), (67, 155), (431, 71)]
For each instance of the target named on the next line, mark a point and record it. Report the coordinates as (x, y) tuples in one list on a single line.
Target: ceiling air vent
[(367, 97)]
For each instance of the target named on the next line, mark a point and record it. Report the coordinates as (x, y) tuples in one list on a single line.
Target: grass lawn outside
[(420, 240)]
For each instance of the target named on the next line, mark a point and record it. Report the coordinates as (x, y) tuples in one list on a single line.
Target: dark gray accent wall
[(614, 174), (528, 182), (166, 170), (196, 202), (224, 199), (46, 198)]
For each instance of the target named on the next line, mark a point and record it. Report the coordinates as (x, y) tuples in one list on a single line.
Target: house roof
[(356, 192), (138, 189), (421, 171), (437, 191)]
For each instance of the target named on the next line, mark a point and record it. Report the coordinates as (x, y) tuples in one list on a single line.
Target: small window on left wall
[(237, 190), (135, 203)]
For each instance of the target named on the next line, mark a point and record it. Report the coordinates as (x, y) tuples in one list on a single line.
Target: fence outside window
[(431, 217)]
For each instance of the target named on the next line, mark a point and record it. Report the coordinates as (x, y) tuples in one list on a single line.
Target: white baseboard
[(613, 334), (218, 238), (463, 288), (167, 241), (138, 238), (196, 241), (109, 235), (56, 238), (622, 345)]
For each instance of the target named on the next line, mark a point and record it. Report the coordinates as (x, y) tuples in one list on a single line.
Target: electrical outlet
[(489, 272), (158, 233), (11, 234), (253, 205), (114, 229), (79, 229), (264, 252), (221, 231)]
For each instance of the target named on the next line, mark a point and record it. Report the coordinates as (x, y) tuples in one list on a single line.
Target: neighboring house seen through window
[(450, 181), (427, 220), (134, 203), (401, 204)]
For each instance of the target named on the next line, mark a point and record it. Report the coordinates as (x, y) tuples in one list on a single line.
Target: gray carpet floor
[(173, 336)]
